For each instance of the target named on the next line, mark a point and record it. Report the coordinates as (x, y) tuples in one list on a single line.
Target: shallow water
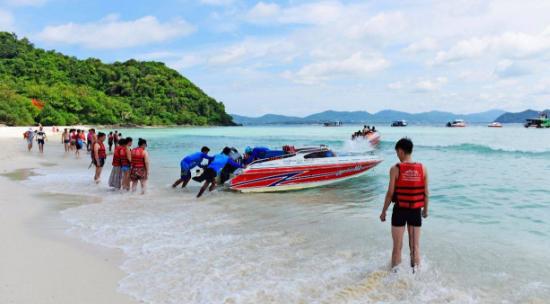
[(486, 240)]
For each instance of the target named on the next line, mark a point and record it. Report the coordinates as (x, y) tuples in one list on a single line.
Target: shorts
[(402, 216), (101, 162), (40, 141), (208, 175), (66, 141), (138, 174), (185, 173), (124, 168)]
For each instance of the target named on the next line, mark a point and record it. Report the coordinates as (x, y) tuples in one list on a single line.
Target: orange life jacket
[(410, 186), (101, 153), (138, 158), (116, 157)]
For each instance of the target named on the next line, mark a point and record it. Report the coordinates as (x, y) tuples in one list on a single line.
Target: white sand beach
[(39, 263)]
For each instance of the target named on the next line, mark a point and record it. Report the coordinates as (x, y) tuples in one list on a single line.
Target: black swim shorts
[(101, 162), (402, 216), (208, 175)]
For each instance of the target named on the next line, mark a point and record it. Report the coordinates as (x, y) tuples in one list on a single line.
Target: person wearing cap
[(251, 155), (189, 162)]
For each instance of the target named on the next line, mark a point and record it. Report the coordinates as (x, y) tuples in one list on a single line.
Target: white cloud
[(426, 44), (428, 85), (263, 12), (357, 65), (510, 44), (309, 13), (112, 33), (395, 85), (6, 20), (510, 69)]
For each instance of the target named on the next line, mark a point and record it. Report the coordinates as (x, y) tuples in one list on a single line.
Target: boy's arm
[(426, 194), (146, 160), (389, 193)]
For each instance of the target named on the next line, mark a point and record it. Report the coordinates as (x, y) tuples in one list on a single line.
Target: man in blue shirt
[(213, 169), (189, 162), (251, 155)]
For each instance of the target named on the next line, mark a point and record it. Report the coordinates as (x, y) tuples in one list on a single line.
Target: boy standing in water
[(408, 189)]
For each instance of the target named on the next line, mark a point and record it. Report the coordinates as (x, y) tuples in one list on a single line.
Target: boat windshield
[(320, 154)]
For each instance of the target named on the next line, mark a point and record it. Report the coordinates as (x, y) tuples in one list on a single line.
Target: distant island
[(385, 116), (520, 117), (39, 86)]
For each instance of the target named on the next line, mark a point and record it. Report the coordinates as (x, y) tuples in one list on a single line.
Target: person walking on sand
[(140, 166), (408, 189), (189, 162), (40, 139), (65, 139), (29, 136), (99, 155)]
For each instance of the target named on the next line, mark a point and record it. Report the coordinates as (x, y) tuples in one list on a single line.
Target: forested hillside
[(38, 86)]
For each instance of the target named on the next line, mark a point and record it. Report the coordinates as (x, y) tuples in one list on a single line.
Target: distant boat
[(457, 123), (541, 122), (333, 124), (399, 123), (495, 125)]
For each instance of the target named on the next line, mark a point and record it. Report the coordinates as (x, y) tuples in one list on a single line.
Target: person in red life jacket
[(408, 190), (140, 166), (99, 155), (110, 139), (115, 179), (125, 161)]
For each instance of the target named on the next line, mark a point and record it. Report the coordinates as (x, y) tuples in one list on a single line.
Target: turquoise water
[(485, 241)]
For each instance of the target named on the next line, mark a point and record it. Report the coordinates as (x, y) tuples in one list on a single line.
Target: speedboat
[(301, 169), (495, 125), (457, 123), (372, 137), (399, 123)]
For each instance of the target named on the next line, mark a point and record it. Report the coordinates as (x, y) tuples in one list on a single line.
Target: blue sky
[(300, 57)]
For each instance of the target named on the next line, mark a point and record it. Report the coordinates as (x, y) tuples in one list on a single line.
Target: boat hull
[(298, 177)]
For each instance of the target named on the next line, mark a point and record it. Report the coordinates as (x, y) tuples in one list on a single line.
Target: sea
[(486, 240)]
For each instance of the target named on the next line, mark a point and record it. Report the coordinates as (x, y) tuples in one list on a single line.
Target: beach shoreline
[(41, 262)]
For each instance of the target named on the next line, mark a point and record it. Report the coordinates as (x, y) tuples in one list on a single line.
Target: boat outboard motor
[(225, 175)]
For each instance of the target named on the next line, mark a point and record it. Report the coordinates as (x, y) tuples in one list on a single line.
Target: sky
[(301, 57)]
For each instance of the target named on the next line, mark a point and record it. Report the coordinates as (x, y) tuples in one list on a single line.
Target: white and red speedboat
[(303, 168)]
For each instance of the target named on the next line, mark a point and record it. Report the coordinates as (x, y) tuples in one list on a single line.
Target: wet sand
[(39, 262)]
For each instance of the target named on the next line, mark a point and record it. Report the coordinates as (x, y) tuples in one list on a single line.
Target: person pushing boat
[(213, 169), (252, 154), (408, 189), (189, 162)]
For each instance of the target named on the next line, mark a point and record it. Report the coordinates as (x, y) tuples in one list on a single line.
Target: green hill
[(69, 91)]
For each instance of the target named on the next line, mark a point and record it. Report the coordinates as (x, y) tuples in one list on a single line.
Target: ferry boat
[(457, 123), (541, 122)]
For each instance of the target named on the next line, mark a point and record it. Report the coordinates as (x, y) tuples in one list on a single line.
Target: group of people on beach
[(366, 131), (130, 164)]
